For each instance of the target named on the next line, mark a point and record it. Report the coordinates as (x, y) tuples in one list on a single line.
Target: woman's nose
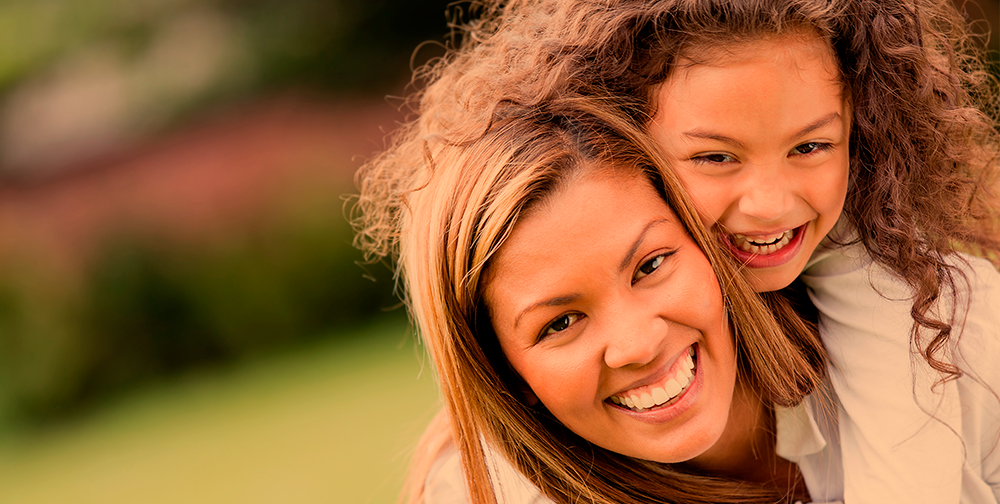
[(634, 340), (768, 195)]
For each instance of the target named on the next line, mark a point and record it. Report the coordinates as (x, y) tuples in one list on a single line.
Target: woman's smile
[(613, 317), (664, 391)]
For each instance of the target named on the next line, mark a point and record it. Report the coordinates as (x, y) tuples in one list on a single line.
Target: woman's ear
[(529, 396)]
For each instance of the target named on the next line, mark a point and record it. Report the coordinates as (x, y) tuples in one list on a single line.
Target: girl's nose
[(634, 342), (767, 196)]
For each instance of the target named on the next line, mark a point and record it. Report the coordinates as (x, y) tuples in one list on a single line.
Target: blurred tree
[(150, 308), (341, 45)]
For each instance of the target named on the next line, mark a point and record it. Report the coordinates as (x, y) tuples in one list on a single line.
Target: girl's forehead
[(787, 54), (734, 50)]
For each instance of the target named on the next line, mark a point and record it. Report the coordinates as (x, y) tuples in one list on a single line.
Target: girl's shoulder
[(976, 306), (981, 273), (842, 264)]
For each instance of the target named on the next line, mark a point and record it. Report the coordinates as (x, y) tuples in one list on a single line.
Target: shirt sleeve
[(977, 354), (445, 483), (899, 433)]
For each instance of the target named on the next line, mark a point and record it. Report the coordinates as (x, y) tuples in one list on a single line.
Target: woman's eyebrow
[(570, 298), (638, 243), (556, 301)]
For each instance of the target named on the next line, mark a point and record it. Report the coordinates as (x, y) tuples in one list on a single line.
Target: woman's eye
[(561, 324), (716, 158), (649, 266), (810, 147)]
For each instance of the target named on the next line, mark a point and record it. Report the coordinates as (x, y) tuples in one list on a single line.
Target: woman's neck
[(746, 449)]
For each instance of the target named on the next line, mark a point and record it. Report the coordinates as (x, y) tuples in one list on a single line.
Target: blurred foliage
[(81, 77), (343, 44), (148, 308), (336, 44)]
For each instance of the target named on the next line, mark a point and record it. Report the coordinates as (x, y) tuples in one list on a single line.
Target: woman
[(459, 207)]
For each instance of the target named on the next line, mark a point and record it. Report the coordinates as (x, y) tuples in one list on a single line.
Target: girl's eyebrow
[(817, 124), (813, 126), (700, 133)]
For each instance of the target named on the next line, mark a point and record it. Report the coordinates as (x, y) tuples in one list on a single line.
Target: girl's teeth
[(763, 245), (663, 393)]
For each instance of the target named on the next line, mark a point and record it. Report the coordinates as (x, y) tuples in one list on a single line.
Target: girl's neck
[(746, 449)]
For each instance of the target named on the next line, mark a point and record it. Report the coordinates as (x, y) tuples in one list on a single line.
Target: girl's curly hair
[(924, 149)]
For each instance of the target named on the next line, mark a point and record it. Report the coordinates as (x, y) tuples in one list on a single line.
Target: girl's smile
[(613, 317), (759, 136), (765, 250)]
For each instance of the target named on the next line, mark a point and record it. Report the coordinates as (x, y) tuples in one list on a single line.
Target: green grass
[(331, 423)]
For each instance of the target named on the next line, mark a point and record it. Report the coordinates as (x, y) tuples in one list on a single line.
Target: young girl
[(582, 323), (789, 120)]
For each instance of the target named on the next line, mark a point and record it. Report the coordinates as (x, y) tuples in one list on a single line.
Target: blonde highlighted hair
[(443, 200)]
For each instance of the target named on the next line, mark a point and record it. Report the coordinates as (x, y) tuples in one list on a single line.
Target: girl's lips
[(757, 253)]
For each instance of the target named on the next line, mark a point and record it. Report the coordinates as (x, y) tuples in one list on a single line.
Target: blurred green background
[(182, 315)]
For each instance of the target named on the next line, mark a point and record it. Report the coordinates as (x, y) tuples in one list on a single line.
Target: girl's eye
[(561, 324), (649, 266), (715, 158), (810, 147)]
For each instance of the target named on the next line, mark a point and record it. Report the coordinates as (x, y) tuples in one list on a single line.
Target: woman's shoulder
[(445, 483)]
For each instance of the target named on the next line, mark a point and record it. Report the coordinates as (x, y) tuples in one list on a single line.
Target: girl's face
[(760, 140), (613, 317)]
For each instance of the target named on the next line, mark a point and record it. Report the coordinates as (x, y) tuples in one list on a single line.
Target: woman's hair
[(924, 151), (446, 199)]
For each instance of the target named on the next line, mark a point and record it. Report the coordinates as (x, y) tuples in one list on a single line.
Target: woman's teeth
[(661, 393), (763, 245)]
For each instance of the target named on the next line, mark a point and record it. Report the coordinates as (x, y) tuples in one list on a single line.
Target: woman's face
[(760, 141), (613, 317)]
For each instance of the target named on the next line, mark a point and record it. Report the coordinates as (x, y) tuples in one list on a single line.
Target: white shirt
[(445, 483), (893, 437), (880, 443)]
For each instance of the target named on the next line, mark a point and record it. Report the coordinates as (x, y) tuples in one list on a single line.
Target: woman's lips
[(766, 250), (658, 394)]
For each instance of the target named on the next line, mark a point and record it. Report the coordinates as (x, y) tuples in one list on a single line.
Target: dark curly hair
[(924, 150)]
